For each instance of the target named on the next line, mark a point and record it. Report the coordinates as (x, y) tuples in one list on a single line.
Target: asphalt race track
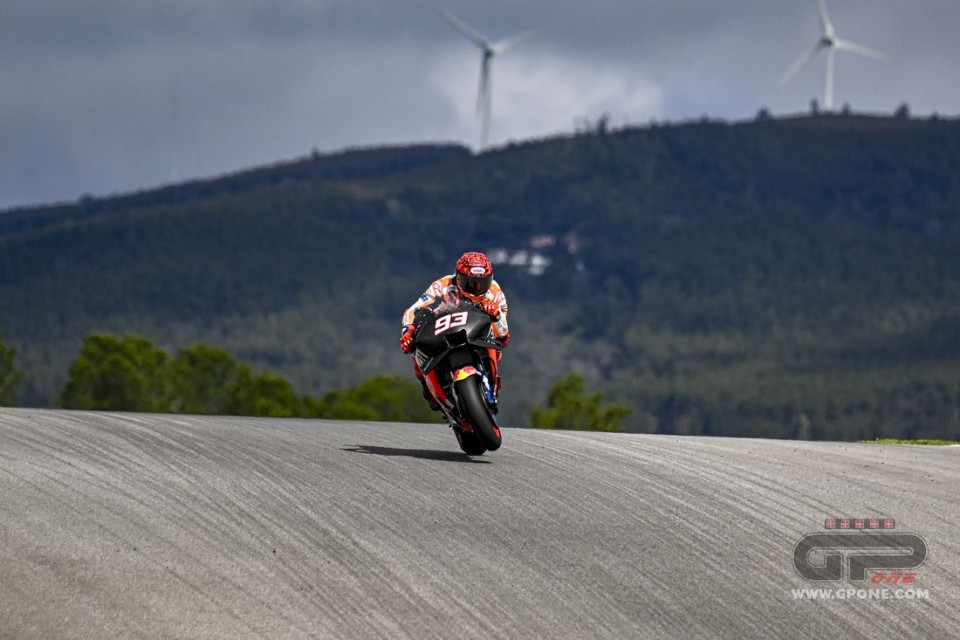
[(148, 526)]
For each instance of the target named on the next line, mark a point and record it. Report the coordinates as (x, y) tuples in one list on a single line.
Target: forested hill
[(783, 277)]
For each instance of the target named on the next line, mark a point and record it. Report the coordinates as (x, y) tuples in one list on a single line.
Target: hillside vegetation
[(783, 277)]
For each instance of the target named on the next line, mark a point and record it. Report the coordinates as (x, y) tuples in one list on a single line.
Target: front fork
[(490, 381), (488, 393)]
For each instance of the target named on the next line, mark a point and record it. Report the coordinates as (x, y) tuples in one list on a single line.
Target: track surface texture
[(148, 526)]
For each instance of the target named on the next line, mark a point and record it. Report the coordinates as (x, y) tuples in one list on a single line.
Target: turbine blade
[(846, 45), (509, 43), (466, 30), (802, 60), (825, 23)]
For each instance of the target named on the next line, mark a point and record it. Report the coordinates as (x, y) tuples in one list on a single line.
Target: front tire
[(470, 443), (476, 412)]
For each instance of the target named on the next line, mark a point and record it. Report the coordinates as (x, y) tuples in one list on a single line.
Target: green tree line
[(11, 377), (569, 407), (130, 373)]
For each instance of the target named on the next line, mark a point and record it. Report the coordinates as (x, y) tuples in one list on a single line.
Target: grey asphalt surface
[(147, 526)]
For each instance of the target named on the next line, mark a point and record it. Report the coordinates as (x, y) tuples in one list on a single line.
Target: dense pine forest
[(791, 277)]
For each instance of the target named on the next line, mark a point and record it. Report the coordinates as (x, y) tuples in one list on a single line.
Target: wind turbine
[(489, 49), (828, 40)]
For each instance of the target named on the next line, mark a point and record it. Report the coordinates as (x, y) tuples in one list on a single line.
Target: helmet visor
[(475, 285)]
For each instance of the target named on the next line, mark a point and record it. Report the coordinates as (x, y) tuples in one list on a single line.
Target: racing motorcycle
[(456, 352)]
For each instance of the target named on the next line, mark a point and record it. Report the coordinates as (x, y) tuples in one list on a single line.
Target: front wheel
[(470, 443), (477, 414)]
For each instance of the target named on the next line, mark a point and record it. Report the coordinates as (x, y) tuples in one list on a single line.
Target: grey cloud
[(115, 95)]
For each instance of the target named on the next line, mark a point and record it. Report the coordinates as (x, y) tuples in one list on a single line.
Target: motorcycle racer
[(472, 279)]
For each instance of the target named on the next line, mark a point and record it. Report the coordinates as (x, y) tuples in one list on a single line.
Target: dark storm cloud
[(114, 95)]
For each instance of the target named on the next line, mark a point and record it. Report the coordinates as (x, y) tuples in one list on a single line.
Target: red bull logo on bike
[(466, 372)]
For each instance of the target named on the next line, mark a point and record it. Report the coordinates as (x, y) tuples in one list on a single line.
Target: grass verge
[(899, 441)]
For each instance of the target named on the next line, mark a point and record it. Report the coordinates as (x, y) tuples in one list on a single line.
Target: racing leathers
[(446, 287)]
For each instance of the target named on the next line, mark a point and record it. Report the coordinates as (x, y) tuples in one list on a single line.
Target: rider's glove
[(491, 308), (406, 338)]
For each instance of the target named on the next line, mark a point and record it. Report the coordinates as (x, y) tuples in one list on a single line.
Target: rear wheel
[(478, 414)]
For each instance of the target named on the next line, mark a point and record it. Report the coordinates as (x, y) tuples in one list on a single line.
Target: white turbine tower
[(828, 40), (489, 50)]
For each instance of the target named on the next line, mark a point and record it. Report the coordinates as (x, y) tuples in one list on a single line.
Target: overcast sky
[(110, 96)]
